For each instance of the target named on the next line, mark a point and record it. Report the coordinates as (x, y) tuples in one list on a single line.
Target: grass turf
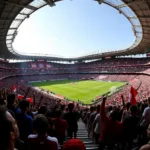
[(85, 91)]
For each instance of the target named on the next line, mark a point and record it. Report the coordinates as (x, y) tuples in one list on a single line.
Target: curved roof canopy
[(14, 12)]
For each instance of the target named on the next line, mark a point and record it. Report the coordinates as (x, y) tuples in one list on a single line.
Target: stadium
[(52, 82)]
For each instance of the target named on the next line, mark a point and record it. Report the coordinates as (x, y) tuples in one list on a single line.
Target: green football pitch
[(85, 91)]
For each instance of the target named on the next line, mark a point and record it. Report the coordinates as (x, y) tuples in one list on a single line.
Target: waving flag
[(133, 94), (13, 89), (20, 97), (30, 99)]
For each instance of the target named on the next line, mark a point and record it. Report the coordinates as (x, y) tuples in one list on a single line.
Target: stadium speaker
[(100, 1)]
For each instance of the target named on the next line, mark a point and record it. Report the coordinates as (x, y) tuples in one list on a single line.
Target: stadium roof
[(14, 12)]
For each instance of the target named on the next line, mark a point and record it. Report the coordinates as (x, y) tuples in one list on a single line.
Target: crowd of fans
[(137, 81), (121, 126), (118, 65), (25, 127), (47, 122)]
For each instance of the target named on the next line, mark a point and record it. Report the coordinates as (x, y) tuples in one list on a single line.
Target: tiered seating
[(20, 74), (23, 72), (133, 80), (118, 65)]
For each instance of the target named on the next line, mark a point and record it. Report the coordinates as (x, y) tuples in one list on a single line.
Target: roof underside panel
[(14, 12)]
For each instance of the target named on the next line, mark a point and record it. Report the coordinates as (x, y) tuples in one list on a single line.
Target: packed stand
[(119, 127), (25, 127), (115, 65), (44, 121)]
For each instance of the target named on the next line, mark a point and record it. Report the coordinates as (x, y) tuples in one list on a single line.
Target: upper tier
[(120, 65)]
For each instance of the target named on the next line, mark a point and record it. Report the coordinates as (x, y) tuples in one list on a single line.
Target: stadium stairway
[(83, 135)]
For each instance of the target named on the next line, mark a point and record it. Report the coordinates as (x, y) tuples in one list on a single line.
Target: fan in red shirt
[(60, 127), (74, 144), (41, 141), (112, 130)]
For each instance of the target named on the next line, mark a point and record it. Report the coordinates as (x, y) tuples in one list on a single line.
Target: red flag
[(30, 100), (133, 94), (13, 89), (20, 97)]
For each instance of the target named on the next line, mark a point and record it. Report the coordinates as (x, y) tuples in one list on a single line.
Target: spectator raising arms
[(97, 126), (112, 130)]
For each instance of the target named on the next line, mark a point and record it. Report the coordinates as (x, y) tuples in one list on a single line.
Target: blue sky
[(74, 28)]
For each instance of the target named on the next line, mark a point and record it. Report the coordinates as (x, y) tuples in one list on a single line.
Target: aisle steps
[(83, 135)]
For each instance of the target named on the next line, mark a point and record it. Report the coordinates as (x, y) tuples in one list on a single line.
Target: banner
[(33, 65), (48, 66), (41, 65)]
